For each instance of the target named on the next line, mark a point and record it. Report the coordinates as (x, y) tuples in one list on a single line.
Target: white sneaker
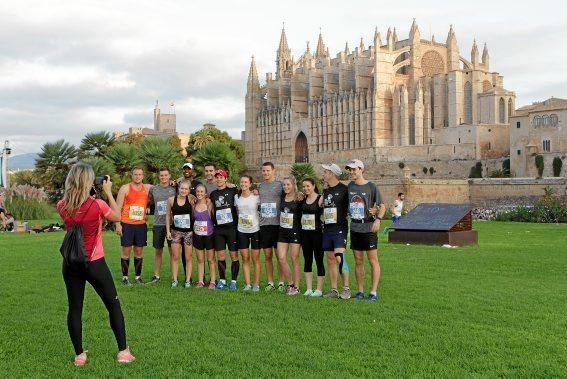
[(247, 287), (317, 293), (309, 292)]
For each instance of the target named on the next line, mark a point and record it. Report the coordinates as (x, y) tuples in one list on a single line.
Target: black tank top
[(181, 216), (311, 215)]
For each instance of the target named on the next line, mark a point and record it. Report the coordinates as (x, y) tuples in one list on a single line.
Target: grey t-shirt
[(360, 199), (210, 186), (270, 198), (158, 197)]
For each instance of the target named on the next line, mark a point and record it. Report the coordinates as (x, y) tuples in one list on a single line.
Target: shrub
[(301, 171), (518, 214), (549, 209), (28, 209), (557, 165), (476, 171), (401, 165), (498, 174), (540, 165), (506, 167), (424, 170), (431, 171)]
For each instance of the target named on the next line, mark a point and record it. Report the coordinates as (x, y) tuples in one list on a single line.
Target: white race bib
[(330, 215), (268, 210), (286, 220), (308, 222), (246, 221), (356, 211), (201, 228), (224, 216), (136, 212), (160, 208), (182, 221)]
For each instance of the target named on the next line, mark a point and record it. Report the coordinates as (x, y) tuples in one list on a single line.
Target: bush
[(506, 167), (518, 214), (547, 210), (476, 171), (498, 174), (431, 171), (300, 171), (557, 165), (401, 165), (424, 170), (540, 165), (28, 209)]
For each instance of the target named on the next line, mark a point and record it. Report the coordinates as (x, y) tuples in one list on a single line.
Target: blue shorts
[(395, 219), (334, 240), (134, 235)]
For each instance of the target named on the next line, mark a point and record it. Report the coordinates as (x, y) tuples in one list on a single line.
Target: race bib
[(246, 221), (308, 222), (356, 211), (201, 228), (224, 216), (182, 221), (268, 210), (330, 215), (136, 212), (286, 220), (160, 208)]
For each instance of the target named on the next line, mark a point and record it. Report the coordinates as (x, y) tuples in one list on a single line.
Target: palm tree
[(52, 165), (157, 152), (221, 154), (123, 157), (96, 144)]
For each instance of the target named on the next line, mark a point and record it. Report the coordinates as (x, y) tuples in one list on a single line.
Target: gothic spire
[(320, 52), (347, 50), (253, 74), (474, 53), (377, 39), (361, 47), (451, 36), (283, 47)]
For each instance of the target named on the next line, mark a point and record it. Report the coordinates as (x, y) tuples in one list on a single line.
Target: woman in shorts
[(248, 231), (179, 231), (203, 236), (311, 237), (289, 234)]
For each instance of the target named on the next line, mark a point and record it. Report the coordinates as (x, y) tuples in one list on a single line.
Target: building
[(538, 129), (413, 100)]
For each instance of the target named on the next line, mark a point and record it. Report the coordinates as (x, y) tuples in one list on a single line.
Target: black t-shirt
[(224, 209), (311, 215), (290, 215), (335, 208)]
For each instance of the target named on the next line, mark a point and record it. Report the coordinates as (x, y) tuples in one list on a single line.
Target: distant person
[(158, 196), (3, 211), (366, 210), (397, 207), (78, 206), (132, 228)]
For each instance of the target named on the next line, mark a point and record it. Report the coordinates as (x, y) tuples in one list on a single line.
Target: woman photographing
[(78, 206)]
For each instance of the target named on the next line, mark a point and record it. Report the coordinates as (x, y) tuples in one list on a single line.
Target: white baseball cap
[(333, 168), (188, 165), (355, 163)]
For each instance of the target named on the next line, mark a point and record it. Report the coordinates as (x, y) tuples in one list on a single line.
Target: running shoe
[(125, 281), (187, 284), (221, 285), (309, 292), (281, 287), (81, 359), (154, 280), (255, 288), (269, 288), (359, 296), (317, 293), (232, 285), (139, 280), (345, 294), (212, 286), (333, 294), (292, 290), (174, 284), (200, 285), (372, 297), (125, 356), (247, 288)]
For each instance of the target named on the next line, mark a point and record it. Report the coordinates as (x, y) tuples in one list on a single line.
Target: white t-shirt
[(248, 218), (398, 206)]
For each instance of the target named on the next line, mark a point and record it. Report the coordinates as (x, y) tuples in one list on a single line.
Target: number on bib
[(330, 215), (182, 221), (136, 212), (308, 222), (224, 216)]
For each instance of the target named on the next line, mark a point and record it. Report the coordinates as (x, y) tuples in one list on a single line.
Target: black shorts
[(269, 236), (203, 242), (289, 236), (134, 235), (249, 240), (363, 241), (225, 237), (159, 234), (335, 239)]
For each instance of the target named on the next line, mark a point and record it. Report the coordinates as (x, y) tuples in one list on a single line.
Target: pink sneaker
[(81, 359), (125, 356), (292, 290), (212, 286), (200, 285)]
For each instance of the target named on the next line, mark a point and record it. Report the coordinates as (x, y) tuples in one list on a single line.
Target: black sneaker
[(139, 280), (154, 280), (125, 282)]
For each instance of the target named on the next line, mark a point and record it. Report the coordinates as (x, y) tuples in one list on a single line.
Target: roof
[(551, 104)]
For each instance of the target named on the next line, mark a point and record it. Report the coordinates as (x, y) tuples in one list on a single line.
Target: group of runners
[(279, 217)]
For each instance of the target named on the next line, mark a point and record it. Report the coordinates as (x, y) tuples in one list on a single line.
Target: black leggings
[(311, 244), (98, 275)]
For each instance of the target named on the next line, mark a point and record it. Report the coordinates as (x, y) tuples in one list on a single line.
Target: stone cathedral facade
[(413, 100)]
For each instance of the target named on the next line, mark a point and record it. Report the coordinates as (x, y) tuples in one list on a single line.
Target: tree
[(301, 171), (157, 152), (52, 165), (557, 165), (540, 165), (123, 157), (222, 156), (206, 136), (96, 144)]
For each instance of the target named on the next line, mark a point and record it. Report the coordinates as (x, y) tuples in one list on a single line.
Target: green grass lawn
[(497, 309)]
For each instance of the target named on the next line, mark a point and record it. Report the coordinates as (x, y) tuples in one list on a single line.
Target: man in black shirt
[(189, 175)]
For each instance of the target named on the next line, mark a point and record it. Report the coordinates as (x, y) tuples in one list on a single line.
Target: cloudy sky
[(72, 67)]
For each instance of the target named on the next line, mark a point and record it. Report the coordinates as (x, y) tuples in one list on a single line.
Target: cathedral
[(411, 100)]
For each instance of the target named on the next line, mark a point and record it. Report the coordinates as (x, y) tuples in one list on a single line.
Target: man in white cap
[(189, 175), (366, 210), (335, 228)]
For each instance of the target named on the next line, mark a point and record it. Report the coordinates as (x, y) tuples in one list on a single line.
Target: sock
[(138, 266), (125, 263), (373, 293), (222, 269), (234, 269), (280, 284)]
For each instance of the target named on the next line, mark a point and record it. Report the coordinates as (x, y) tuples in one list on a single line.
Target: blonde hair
[(293, 183), (78, 184)]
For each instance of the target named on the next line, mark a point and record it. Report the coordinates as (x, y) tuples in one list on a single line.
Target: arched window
[(510, 107), (537, 121), (553, 119), (502, 111), (468, 103)]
